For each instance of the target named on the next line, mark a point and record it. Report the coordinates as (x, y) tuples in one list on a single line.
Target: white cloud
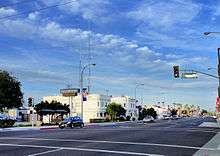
[(165, 14), (33, 16), (7, 12), (125, 52), (89, 10), (173, 56)]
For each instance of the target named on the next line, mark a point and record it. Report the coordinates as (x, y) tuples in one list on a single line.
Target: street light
[(135, 90), (211, 68), (81, 85), (208, 33)]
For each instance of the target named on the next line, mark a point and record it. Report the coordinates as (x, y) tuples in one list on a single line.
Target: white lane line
[(59, 149), (82, 149), (110, 142), (213, 143), (203, 131)]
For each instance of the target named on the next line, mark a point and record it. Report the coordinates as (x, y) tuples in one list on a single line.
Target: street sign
[(69, 92), (191, 75), (85, 94)]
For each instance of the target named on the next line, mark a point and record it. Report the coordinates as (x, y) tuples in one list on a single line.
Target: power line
[(17, 3), (36, 10)]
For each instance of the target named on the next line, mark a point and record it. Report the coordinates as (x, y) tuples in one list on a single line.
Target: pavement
[(181, 137)]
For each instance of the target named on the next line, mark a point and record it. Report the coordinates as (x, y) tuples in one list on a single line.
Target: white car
[(215, 117), (148, 119)]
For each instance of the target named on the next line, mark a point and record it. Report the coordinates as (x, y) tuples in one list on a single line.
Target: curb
[(49, 127)]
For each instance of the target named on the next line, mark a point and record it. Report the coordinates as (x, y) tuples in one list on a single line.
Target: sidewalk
[(211, 124)]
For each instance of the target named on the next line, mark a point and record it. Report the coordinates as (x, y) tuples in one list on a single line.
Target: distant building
[(128, 104), (161, 110), (94, 107)]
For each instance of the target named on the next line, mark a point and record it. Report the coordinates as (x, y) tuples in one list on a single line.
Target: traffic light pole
[(32, 118), (218, 72)]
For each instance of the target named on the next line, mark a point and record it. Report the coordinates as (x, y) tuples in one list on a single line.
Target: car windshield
[(110, 77)]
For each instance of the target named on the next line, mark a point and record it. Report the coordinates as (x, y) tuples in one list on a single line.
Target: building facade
[(129, 104), (94, 107)]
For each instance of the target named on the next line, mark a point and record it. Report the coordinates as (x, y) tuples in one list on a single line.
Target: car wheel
[(81, 125), (61, 126)]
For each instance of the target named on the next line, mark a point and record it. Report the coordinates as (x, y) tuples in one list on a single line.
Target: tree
[(173, 112), (147, 112), (204, 112), (115, 110), (151, 112), (10, 91), (54, 107)]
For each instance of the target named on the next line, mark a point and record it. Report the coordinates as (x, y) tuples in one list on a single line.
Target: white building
[(93, 108), (127, 103), (161, 110)]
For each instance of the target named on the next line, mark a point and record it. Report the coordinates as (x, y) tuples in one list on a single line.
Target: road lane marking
[(82, 149), (213, 143), (110, 142), (55, 150), (204, 131)]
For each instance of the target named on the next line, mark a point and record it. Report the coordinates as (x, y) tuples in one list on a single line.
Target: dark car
[(71, 122)]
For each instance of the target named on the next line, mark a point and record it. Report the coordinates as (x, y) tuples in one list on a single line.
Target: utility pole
[(107, 91), (81, 85), (208, 33), (89, 56), (135, 91)]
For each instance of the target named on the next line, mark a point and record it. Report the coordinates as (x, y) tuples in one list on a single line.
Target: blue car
[(71, 122)]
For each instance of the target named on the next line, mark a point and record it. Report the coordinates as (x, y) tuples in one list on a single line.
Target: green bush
[(107, 120), (121, 119), (128, 118), (7, 123), (96, 120)]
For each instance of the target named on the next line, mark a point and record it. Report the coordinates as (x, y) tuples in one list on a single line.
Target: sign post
[(70, 92)]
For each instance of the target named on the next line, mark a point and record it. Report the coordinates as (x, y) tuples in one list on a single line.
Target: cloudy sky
[(131, 42)]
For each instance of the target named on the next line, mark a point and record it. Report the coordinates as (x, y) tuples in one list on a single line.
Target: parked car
[(71, 122), (165, 117), (214, 117), (148, 119), (175, 117)]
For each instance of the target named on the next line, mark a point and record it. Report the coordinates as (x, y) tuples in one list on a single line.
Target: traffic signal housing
[(176, 71), (30, 102)]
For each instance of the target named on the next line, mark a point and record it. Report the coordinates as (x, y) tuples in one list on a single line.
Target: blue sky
[(132, 42)]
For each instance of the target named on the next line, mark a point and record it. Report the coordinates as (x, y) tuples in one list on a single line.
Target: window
[(98, 104), (100, 114), (124, 104)]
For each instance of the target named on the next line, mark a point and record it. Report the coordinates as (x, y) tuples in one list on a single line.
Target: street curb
[(210, 125), (49, 127)]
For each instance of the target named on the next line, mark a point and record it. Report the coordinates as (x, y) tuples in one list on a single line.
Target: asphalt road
[(180, 137)]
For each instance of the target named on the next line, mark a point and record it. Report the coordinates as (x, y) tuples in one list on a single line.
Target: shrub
[(7, 123), (96, 120), (128, 118)]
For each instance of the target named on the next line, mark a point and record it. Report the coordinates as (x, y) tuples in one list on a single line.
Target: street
[(180, 137)]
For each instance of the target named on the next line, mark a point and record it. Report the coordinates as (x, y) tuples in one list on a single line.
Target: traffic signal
[(30, 102), (176, 71)]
